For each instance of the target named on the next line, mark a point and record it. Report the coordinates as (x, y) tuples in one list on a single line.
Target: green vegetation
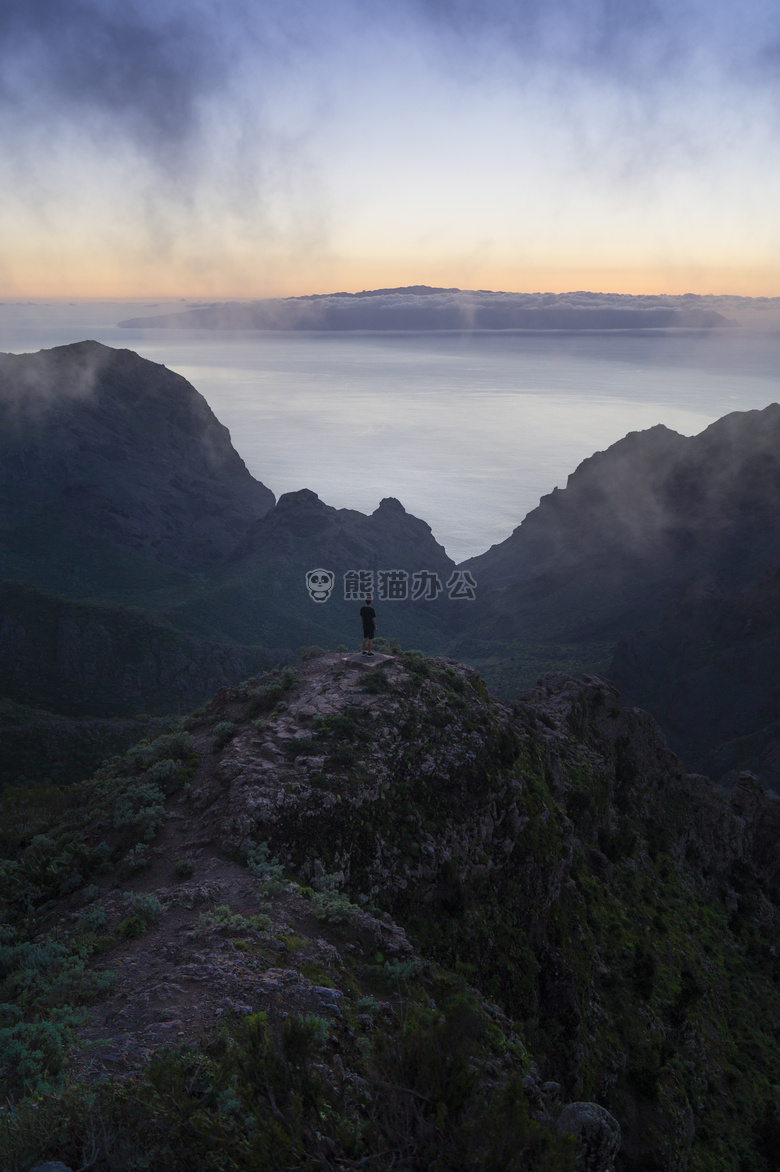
[(223, 732), (53, 841), (42, 748), (259, 1096), (550, 856), (330, 904), (510, 667), (264, 867), (223, 917)]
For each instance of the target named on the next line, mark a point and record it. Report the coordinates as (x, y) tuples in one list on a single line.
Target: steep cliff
[(114, 473)]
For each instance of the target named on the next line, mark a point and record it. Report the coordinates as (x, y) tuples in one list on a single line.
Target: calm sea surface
[(467, 430)]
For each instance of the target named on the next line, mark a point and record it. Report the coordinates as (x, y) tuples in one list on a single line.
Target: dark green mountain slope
[(89, 660), (40, 748), (710, 673)]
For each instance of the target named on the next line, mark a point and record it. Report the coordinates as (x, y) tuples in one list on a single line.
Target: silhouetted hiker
[(368, 617)]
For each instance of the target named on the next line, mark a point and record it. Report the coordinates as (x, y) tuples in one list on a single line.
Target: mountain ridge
[(473, 905)]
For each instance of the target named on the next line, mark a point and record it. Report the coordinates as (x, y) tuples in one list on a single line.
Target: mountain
[(261, 595), (118, 485), (420, 307), (637, 524), (114, 473), (359, 915)]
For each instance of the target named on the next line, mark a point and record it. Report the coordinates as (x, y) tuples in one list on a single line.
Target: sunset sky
[(255, 148)]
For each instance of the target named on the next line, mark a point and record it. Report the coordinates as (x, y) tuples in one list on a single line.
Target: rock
[(597, 1133), (51, 1166)]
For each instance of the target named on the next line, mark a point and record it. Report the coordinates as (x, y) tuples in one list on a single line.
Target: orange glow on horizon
[(121, 273), (651, 280)]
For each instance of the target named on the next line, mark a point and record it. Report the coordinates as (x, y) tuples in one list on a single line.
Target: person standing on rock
[(368, 618)]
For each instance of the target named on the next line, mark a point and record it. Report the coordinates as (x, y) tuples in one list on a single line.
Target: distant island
[(421, 307)]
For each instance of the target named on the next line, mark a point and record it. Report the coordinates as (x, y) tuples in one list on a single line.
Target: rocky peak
[(390, 504)]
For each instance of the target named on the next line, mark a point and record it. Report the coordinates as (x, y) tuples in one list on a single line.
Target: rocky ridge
[(606, 917)]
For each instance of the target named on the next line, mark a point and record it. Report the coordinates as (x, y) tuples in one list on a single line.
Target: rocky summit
[(362, 914)]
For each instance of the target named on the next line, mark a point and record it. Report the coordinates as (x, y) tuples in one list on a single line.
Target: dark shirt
[(368, 614)]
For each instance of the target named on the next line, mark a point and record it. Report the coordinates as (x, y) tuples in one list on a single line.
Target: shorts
[(368, 632)]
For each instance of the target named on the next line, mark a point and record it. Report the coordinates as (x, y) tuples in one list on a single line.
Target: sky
[(234, 149)]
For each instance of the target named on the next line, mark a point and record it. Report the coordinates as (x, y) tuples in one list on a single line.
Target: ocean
[(466, 430)]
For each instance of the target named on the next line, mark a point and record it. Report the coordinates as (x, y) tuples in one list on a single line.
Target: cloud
[(636, 42), (205, 132), (133, 69), (147, 71), (33, 384)]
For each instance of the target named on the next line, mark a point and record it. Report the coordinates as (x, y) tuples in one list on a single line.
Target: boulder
[(597, 1133)]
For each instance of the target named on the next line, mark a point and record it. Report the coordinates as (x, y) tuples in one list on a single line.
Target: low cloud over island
[(420, 307)]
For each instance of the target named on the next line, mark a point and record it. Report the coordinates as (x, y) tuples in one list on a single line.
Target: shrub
[(178, 746), (33, 1053), (140, 807), (93, 918), (387, 646), (135, 860), (183, 868), (302, 747), (146, 906), (223, 917), (261, 863), (312, 652), (344, 755), (168, 774), (269, 695), (332, 905), (223, 732), (342, 727), (132, 927)]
